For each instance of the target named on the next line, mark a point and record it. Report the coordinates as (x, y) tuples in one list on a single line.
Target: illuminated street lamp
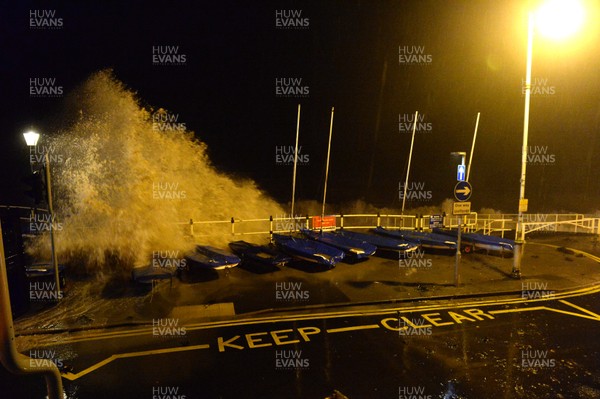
[(556, 19), (31, 138)]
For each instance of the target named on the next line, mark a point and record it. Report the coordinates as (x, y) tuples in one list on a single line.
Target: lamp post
[(31, 138), (556, 19)]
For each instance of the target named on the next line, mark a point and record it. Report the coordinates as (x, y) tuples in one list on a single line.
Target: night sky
[(347, 55)]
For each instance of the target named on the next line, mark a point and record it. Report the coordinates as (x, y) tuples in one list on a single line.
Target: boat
[(309, 250), (400, 245), (475, 241), (264, 254), (428, 241), (208, 257), (357, 249)]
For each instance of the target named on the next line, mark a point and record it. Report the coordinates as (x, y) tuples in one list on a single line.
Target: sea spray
[(124, 184)]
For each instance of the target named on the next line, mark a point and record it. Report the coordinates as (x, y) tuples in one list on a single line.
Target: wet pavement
[(304, 286), (376, 329)]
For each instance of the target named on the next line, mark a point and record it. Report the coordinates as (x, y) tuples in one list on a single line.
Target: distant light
[(31, 138), (559, 19)]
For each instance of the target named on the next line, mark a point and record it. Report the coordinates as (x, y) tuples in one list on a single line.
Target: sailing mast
[(327, 169), (295, 164), (412, 141), (473, 147)]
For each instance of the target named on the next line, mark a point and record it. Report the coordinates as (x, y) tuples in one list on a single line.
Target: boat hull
[(482, 242), (428, 241), (382, 243), (354, 248), (207, 257), (309, 250), (263, 254)]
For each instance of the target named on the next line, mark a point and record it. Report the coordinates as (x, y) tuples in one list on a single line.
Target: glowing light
[(559, 19), (31, 138)]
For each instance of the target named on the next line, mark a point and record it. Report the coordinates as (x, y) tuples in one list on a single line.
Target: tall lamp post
[(556, 19), (31, 138)]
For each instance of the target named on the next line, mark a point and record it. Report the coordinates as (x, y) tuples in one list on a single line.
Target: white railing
[(489, 224)]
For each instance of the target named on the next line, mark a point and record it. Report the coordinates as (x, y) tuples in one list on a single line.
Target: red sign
[(328, 222)]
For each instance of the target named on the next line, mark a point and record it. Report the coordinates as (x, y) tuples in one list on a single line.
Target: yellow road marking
[(72, 377), (580, 308), (254, 341), (332, 315), (354, 328), (516, 310), (593, 316)]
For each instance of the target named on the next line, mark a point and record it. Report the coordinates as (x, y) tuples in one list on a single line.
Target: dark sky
[(348, 56)]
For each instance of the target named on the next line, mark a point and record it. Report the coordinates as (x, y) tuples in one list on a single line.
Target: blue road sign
[(460, 174), (462, 191)]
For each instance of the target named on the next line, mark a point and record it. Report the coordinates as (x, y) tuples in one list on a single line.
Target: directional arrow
[(462, 191)]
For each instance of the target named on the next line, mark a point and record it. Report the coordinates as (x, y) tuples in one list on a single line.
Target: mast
[(327, 169), (412, 141), (295, 164)]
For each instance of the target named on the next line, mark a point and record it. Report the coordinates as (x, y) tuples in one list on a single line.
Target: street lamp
[(31, 138), (556, 19)]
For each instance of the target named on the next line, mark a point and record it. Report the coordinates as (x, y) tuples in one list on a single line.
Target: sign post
[(462, 193)]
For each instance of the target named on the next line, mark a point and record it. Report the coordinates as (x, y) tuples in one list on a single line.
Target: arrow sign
[(462, 191), (460, 173)]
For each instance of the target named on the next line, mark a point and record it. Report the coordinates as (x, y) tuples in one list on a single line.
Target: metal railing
[(497, 224)]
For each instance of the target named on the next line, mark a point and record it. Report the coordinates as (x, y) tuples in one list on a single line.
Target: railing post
[(192, 227), (12, 360), (341, 221), (378, 219), (271, 227), (232, 226)]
